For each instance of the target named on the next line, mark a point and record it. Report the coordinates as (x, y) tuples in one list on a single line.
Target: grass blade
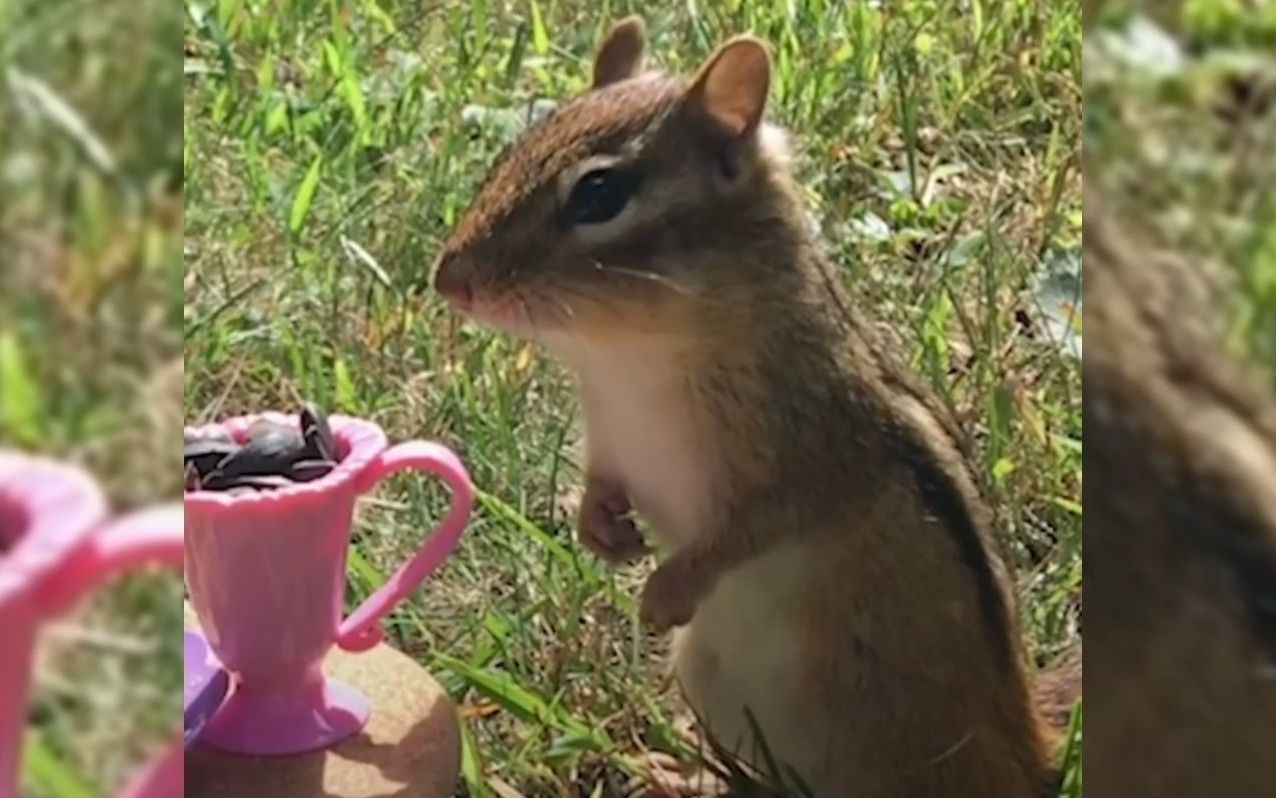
[(366, 572), (540, 37), (503, 510), (472, 764), (305, 196), (44, 101), (347, 394), (49, 775), (514, 698), (21, 408), (364, 258)]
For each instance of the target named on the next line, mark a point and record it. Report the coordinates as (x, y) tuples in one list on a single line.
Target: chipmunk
[(830, 566)]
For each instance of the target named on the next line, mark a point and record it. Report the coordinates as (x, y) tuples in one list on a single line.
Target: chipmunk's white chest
[(641, 430), (743, 649)]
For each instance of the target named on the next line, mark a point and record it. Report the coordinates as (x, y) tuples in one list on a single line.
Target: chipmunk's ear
[(621, 55), (731, 88)]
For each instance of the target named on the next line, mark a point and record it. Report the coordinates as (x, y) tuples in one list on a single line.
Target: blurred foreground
[(1180, 260), (90, 347)]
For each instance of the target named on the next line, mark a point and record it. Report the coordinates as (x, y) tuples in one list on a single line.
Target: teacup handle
[(148, 536), (163, 778), (362, 630)]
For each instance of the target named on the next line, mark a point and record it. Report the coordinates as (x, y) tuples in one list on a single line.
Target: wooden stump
[(411, 747)]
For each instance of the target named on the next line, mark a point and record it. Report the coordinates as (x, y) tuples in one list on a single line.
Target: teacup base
[(308, 718)]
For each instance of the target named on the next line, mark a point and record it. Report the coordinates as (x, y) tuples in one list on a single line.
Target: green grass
[(331, 145), (90, 337)]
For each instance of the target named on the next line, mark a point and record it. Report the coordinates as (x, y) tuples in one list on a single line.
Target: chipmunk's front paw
[(670, 596), (604, 526)]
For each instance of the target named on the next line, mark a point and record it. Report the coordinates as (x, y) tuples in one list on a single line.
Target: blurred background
[(90, 346), (1180, 253), (1180, 135)]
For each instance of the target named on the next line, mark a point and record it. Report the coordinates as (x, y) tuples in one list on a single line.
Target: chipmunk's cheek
[(506, 314)]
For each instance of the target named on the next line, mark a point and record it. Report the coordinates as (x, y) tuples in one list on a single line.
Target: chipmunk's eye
[(599, 196)]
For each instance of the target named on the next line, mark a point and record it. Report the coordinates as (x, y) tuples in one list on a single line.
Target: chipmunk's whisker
[(639, 274), (562, 310), (598, 298), (528, 315)]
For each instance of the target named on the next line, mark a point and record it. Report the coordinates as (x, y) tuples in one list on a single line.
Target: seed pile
[(274, 456)]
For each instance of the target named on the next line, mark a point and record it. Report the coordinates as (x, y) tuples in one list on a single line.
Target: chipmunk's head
[(629, 207)]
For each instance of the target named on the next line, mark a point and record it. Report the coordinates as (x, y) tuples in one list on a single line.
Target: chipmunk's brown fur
[(1180, 535), (830, 559)]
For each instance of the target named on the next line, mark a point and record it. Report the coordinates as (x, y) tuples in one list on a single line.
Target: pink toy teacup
[(56, 545), (266, 572)]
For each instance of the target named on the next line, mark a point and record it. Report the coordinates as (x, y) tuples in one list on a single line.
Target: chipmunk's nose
[(452, 281)]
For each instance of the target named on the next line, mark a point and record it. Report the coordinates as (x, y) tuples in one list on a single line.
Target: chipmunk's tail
[(1056, 690)]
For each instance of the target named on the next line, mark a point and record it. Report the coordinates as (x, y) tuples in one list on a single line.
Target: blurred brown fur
[(1180, 534)]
